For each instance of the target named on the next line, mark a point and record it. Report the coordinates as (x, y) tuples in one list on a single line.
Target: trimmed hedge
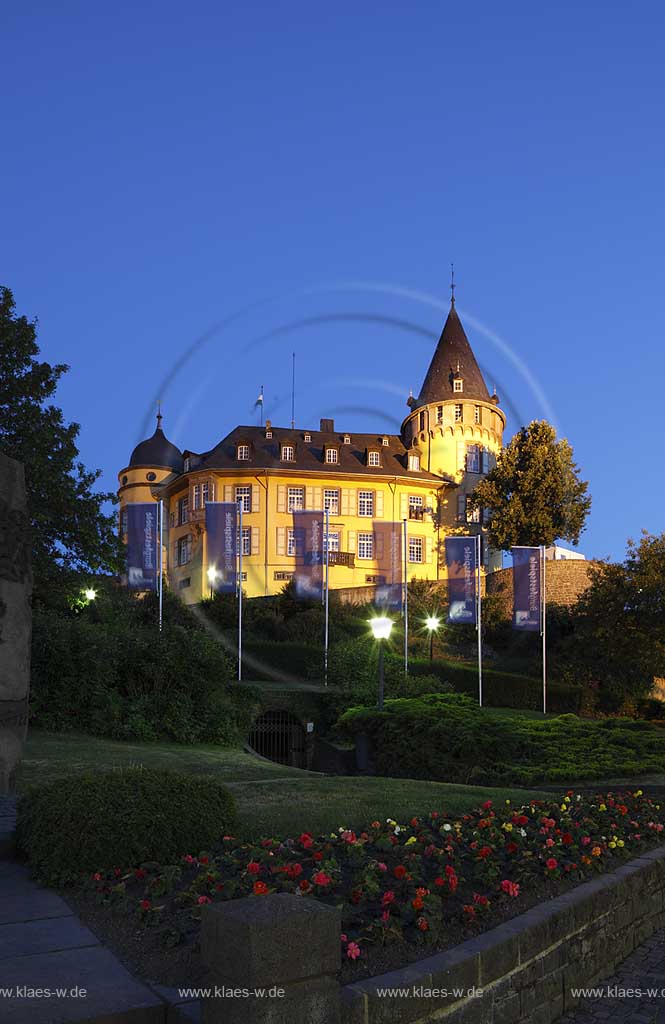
[(447, 737), (101, 820), (297, 661)]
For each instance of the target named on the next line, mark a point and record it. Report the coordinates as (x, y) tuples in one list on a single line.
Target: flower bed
[(403, 887)]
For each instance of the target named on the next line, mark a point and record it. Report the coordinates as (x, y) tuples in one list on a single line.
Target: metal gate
[(279, 736)]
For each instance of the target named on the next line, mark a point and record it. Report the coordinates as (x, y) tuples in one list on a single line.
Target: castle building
[(424, 475)]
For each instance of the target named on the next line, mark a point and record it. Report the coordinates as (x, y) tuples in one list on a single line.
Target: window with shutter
[(281, 498), (255, 540), (351, 540), (473, 458), (403, 506), (256, 498), (228, 492), (461, 455), (379, 504), (281, 540), (429, 550), (461, 507)]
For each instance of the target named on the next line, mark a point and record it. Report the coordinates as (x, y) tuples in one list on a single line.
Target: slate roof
[(309, 455), (452, 351), (157, 451)]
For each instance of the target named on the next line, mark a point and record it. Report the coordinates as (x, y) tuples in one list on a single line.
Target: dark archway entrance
[(279, 736)]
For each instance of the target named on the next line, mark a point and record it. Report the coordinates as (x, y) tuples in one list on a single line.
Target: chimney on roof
[(327, 426)]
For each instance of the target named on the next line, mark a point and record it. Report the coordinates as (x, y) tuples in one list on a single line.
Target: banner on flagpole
[(527, 588), (388, 554), (308, 534), (462, 565), (142, 545), (222, 545)]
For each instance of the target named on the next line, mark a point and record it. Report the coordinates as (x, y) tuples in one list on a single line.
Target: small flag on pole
[(259, 400)]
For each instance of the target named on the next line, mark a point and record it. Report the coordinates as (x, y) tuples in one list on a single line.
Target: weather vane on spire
[(159, 414), (452, 284)]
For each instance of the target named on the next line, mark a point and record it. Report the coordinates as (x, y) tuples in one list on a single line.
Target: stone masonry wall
[(564, 582)]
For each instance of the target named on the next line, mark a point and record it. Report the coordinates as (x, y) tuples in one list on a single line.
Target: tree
[(70, 531), (534, 494), (618, 643)]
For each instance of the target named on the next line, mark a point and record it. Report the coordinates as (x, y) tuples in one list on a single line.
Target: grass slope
[(272, 799)]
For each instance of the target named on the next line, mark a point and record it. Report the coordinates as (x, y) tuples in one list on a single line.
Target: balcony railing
[(347, 558)]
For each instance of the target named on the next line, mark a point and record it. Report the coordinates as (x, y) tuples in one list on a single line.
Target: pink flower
[(551, 863), (203, 899), (353, 951), (387, 898), (512, 888), (381, 866), (549, 842)]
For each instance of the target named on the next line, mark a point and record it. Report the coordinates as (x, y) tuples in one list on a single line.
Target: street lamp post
[(212, 576), (90, 594), (432, 623), (381, 627)]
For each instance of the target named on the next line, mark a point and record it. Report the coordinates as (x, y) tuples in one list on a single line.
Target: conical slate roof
[(157, 451), (453, 356)]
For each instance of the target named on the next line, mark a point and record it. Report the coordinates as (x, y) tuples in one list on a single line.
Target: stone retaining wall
[(522, 972)]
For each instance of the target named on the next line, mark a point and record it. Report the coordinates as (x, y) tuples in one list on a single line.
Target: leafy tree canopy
[(71, 532), (534, 494)]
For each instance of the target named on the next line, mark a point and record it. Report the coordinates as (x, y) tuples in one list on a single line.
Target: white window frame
[(366, 504), (459, 412), (243, 493), (439, 414), (288, 453), (476, 414), (458, 386), (308, 437), (416, 550), (295, 499), (365, 545), (291, 541), (332, 456), (123, 520), (184, 544), (268, 433), (243, 453), (334, 540), (385, 441), (414, 463), (196, 497), (207, 492), (331, 500), (472, 516), (472, 458), (416, 501), (347, 439), (373, 459), (246, 540), (183, 510)]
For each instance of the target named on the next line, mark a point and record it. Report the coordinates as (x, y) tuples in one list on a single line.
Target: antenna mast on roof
[(452, 284), (293, 394)]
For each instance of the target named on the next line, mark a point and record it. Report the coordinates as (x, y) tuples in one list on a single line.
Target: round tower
[(455, 425), (151, 463)]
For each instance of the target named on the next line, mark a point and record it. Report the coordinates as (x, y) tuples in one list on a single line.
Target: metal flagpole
[(544, 629), (325, 646), (479, 626), (159, 562), (406, 604), (240, 594)]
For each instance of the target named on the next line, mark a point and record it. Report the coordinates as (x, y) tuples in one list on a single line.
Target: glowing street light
[(212, 576), (90, 594), (432, 623), (381, 627)]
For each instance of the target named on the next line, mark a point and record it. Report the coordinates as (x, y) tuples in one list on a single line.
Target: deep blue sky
[(167, 166)]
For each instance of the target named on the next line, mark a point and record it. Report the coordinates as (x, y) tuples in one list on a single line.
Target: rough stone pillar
[(15, 618), (273, 960)]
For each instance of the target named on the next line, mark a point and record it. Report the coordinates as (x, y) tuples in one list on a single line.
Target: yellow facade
[(455, 437)]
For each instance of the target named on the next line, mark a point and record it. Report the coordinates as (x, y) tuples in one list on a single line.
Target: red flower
[(566, 839), (356, 896), (321, 878), (306, 840), (294, 870), (469, 910), (260, 888), (551, 863), (399, 871), (387, 898), (254, 867), (422, 924), (487, 805), (512, 847), (203, 899), (439, 881), (484, 852), (512, 888), (418, 903), (317, 856), (144, 904), (353, 951), (480, 900), (139, 873), (203, 860), (304, 886)]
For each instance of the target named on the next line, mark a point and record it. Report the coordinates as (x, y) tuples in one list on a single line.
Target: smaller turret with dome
[(152, 463)]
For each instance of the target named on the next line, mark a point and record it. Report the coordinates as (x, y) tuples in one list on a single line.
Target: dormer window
[(414, 463), (242, 453), (385, 441), (347, 439), (288, 453), (458, 385), (332, 456), (308, 437), (373, 459), (186, 465), (268, 428), (268, 433)]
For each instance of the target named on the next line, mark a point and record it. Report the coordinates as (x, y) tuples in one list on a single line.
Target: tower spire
[(159, 415), (452, 284)]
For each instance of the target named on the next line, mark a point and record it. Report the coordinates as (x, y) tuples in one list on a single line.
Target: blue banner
[(142, 525), (462, 564), (388, 542), (222, 545), (527, 588), (308, 533)]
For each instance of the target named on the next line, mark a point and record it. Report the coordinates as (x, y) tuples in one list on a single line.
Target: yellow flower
[(563, 807), (612, 845), (638, 792), (507, 825), (602, 807), (507, 801), (620, 842), (410, 840), (567, 799)]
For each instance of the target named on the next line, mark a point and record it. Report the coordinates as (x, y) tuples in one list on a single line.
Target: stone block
[(498, 952), (507, 1010), (313, 1001), (270, 940), (44, 936), (457, 968)]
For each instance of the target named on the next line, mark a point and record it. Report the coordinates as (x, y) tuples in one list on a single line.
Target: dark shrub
[(103, 820)]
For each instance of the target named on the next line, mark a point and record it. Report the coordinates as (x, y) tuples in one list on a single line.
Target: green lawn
[(272, 799)]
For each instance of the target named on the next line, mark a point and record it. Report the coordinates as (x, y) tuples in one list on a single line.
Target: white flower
[(522, 831), (447, 828)]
